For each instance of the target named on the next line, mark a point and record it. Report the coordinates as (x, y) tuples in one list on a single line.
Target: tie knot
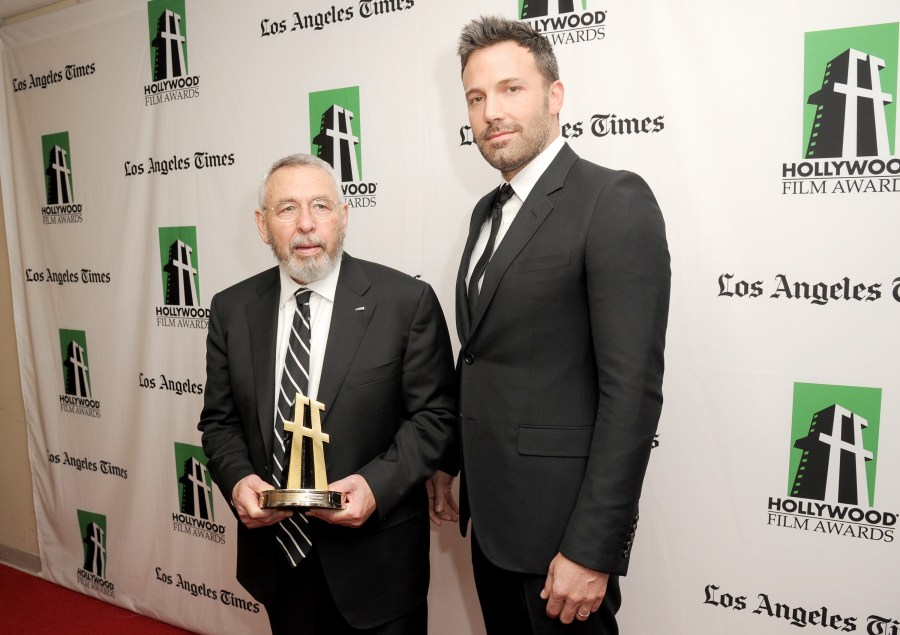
[(503, 195), (302, 295)]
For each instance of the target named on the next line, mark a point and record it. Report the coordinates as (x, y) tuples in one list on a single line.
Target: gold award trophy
[(299, 493)]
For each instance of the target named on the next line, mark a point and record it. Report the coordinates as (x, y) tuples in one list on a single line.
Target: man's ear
[(261, 226), (555, 96)]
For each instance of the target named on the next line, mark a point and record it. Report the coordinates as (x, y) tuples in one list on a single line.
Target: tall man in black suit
[(561, 364), (380, 360)]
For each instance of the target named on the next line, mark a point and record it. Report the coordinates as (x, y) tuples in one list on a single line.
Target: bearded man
[(371, 344)]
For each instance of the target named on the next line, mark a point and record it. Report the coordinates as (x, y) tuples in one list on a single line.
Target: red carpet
[(30, 604)]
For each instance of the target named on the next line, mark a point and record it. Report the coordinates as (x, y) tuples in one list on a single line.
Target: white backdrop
[(707, 101)]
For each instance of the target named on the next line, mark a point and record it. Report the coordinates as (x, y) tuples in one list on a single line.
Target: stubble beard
[(517, 153)]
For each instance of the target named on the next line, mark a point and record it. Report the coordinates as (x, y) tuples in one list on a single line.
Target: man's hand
[(440, 495), (572, 591), (359, 503), (245, 498)]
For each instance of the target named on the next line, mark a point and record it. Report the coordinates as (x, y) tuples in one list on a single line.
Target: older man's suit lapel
[(350, 317), (262, 322)]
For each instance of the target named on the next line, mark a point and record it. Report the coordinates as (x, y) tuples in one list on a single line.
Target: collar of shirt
[(321, 302), (325, 287), (522, 184)]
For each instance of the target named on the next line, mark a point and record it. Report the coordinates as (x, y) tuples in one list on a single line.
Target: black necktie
[(503, 195), (294, 379)]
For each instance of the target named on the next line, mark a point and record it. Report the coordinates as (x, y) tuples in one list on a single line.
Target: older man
[(371, 344)]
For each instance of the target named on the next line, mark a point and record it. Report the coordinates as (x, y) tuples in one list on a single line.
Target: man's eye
[(286, 209)]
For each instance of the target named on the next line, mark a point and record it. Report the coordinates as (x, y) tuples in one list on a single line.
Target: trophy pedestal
[(301, 499)]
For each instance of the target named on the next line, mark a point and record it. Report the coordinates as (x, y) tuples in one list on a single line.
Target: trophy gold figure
[(305, 490)]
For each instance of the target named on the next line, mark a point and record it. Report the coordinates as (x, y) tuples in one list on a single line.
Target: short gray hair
[(489, 30), (297, 161)]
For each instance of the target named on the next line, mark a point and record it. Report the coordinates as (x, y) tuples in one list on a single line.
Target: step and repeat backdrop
[(134, 135)]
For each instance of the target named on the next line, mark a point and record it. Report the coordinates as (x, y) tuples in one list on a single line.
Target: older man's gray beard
[(309, 269)]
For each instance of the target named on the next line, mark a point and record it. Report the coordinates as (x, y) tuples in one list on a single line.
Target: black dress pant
[(304, 606), (511, 603)]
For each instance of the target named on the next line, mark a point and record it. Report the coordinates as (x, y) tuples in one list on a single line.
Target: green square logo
[(540, 8), (834, 443), (168, 39), (850, 92), (58, 168), (335, 130), (76, 374), (195, 484), (92, 528), (180, 271)]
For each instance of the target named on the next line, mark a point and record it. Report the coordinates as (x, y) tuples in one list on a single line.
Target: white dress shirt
[(321, 302), (522, 184)]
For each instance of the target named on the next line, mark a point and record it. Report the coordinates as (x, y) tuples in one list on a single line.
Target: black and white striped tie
[(294, 379)]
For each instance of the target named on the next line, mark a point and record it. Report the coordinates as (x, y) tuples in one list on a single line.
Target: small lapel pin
[(360, 308)]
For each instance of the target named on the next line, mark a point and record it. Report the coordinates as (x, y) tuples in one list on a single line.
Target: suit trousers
[(303, 604), (511, 602)]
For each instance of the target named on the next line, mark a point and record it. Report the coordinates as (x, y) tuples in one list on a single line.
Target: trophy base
[(301, 499)]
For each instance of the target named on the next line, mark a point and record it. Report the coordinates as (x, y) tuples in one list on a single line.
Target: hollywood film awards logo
[(195, 516), (335, 130), (180, 280), (564, 21), (849, 114), (833, 462), (78, 398), (61, 206), (92, 575), (169, 54)]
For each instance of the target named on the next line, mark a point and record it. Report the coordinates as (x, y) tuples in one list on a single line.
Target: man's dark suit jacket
[(390, 410), (561, 369)]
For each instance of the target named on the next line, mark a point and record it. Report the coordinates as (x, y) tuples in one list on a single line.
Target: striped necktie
[(294, 378)]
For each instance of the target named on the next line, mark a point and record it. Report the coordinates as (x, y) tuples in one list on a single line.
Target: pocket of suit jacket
[(572, 442)]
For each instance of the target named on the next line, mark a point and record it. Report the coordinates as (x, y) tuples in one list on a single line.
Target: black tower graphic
[(169, 44), (540, 8), (833, 465), (181, 288), (850, 109), (94, 551), (336, 142), (59, 178), (76, 371), (196, 497)]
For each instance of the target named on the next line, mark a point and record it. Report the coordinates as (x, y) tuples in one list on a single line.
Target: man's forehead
[(310, 176), (500, 57)]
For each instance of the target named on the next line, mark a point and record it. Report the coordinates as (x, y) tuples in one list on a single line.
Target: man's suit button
[(469, 358)]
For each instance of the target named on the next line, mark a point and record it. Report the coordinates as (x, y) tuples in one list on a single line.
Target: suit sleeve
[(627, 280), (430, 422), (223, 438)]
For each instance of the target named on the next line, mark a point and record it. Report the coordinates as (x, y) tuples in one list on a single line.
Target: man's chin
[(306, 270)]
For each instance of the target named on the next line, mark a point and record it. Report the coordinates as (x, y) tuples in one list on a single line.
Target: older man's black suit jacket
[(390, 410)]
